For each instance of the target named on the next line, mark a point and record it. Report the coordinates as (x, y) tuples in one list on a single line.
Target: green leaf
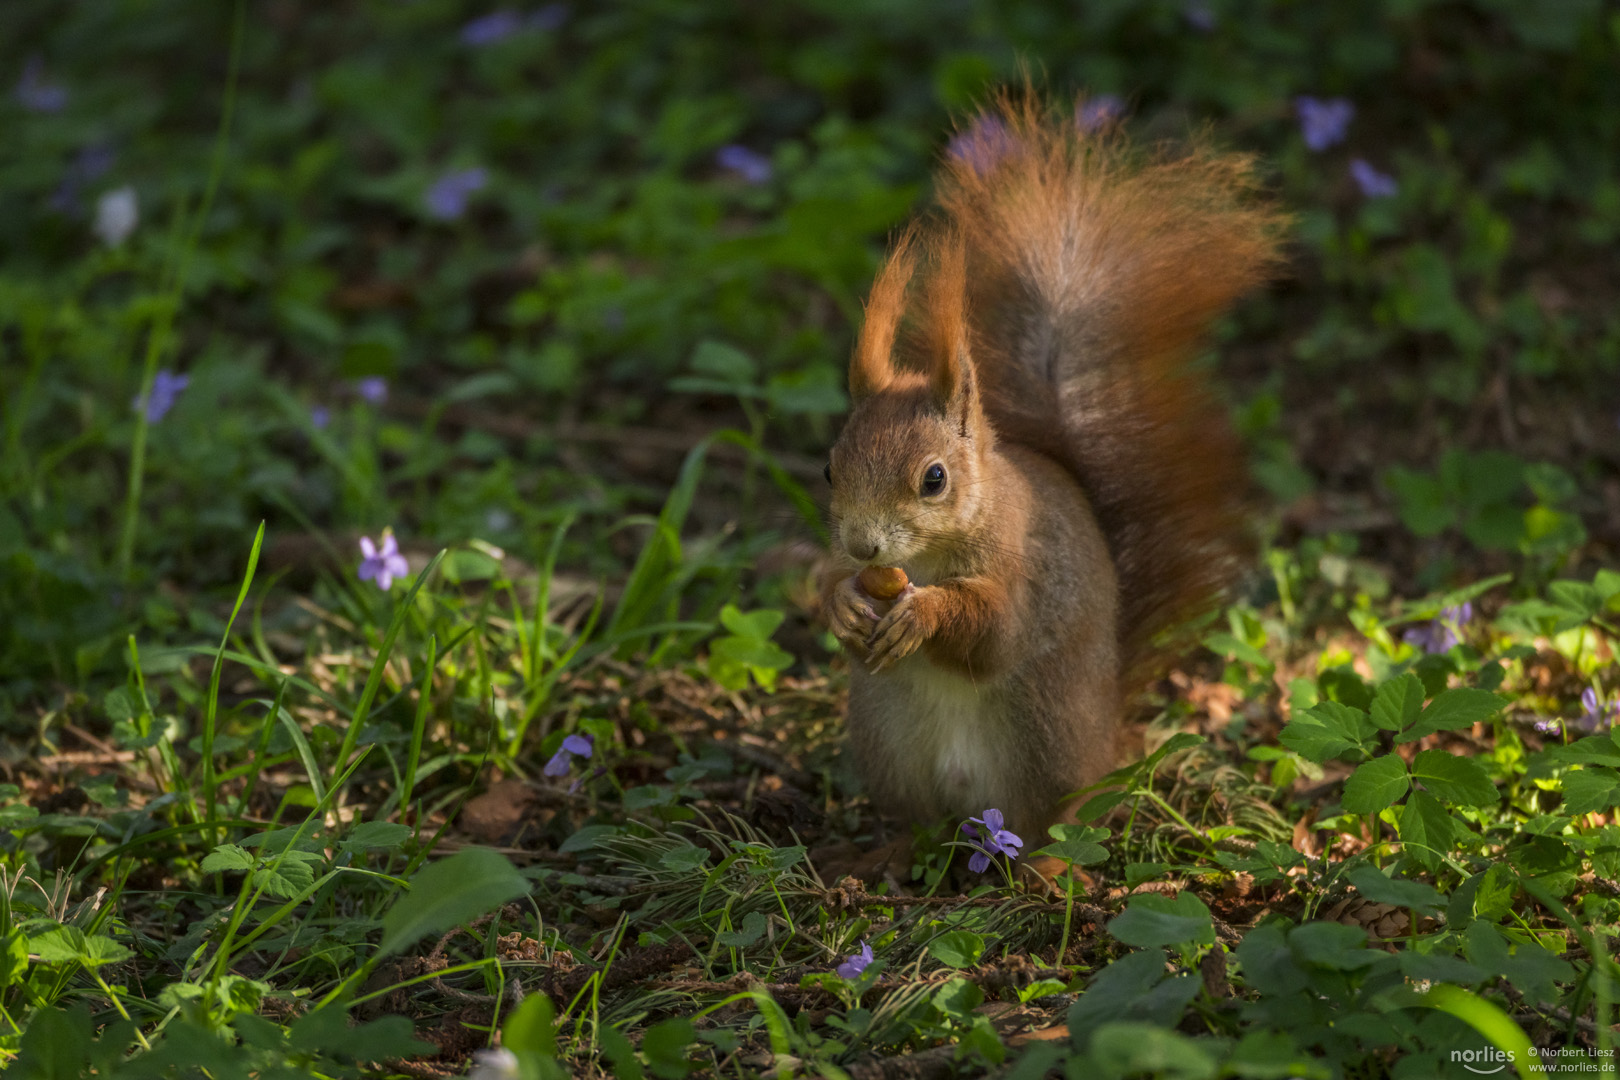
[(1040, 1057), (1376, 784), (665, 1047), (1457, 780), (531, 1027), (1151, 920), (228, 857), (1098, 805), (1438, 967), (957, 948), (1343, 685), (1453, 709), (1267, 1054), (1374, 885), (1577, 596), (69, 944), (588, 837), (1420, 501), (724, 362), (13, 958), (386, 1037), (1076, 844), (1181, 740), (1606, 583), (685, 858), (287, 876), (448, 893), (1327, 730), (1398, 702), (957, 998), (759, 624), (1133, 987), (1532, 970), (1497, 527), (981, 1039), (55, 1046), (1333, 946), (1428, 829), (816, 389), (752, 929), (1532, 618), (1132, 1049), (1235, 648), (1590, 789), (373, 835), (620, 1054), (1040, 988), (1592, 750)]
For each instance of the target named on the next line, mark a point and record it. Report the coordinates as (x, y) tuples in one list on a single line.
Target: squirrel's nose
[(861, 550)]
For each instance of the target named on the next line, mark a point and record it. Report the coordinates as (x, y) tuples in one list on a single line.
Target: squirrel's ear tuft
[(951, 365), (872, 367)]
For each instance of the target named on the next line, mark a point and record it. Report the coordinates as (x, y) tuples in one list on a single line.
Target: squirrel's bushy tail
[(1093, 271)]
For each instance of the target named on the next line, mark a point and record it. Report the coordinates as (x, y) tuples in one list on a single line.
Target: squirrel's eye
[(934, 480), (826, 471)]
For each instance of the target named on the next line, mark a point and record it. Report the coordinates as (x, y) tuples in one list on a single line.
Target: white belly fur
[(954, 723)]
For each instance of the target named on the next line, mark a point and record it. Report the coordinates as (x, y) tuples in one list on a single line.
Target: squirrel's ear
[(952, 381), (872, 367), (951, 374)]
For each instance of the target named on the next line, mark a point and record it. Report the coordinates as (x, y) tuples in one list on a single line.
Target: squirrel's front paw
[(900, 632), (850, 615)]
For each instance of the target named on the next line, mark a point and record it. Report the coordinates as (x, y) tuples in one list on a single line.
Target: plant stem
[(157, 339)]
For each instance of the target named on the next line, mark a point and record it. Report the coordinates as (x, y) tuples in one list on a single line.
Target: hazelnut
[(884, 582)]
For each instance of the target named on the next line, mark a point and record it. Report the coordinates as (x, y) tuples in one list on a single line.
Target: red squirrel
[(1029, 447)]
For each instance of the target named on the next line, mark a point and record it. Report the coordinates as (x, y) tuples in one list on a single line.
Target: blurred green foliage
[(611, 256)]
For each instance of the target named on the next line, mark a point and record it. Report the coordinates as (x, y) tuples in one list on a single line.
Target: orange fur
[(871, 370), (1093, 272)]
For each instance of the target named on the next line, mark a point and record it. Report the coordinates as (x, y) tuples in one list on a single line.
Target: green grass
[(265, 819)]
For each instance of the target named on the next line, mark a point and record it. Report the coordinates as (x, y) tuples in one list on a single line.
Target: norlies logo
[(1485, 1062)]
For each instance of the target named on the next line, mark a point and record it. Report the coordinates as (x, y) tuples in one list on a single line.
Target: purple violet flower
[(1598, 713), (982, 146), (1323, 122), (166, 387), (447, 198), (1443, 632), (319, 417), (1199, 15), (1098, 112), (1549, 727), (35, 94), (995, 840), (372, 388), (488, 29), (384, 564), (752, 167), (1373, 184), (855, 963), (576, 745)]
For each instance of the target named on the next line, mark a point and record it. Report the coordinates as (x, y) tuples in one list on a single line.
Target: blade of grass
[(305, 754), (157, 339), (262, 748), (362, 710), (408, 785), (210, 793)]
